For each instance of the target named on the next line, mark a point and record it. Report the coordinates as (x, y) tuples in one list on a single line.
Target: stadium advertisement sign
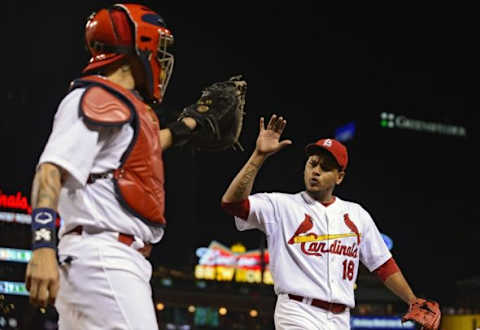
[(220, 263)]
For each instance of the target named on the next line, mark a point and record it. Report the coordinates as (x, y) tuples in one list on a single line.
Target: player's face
[(322, 173)]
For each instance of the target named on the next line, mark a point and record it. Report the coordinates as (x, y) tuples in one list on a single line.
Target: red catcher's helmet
[(132, 29)]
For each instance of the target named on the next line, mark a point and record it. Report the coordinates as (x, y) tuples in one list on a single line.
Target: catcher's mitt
[(219, 115), (424, 312)]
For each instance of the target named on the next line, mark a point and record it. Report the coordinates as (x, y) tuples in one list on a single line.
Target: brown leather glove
[(424, 312)]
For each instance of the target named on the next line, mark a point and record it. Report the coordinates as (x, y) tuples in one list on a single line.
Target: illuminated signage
[(345, 132), (379, 323), (206, 316), (15, 255), (21, 218), (220, 263), (388, 241), (391, 120), (16, 201), (16, 288), (15, 217), (217, 262)]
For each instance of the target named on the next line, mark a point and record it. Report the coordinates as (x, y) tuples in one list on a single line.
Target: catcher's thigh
[(105, 286), (294, 315)]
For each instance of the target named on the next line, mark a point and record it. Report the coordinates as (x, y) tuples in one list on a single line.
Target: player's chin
[(313, 187)]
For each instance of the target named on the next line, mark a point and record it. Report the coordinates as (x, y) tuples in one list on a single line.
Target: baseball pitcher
[(315, 239)]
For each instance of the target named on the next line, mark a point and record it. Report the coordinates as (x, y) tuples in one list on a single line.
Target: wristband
[(181, 133), (43, 228)]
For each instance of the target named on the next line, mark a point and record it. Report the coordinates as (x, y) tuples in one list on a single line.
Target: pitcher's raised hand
[(268, 141)]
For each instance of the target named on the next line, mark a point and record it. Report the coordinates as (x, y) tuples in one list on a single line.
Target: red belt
[(332, 307), (124, 238)]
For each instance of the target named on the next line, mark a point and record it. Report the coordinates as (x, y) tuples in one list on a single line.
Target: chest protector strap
[(139, 181)]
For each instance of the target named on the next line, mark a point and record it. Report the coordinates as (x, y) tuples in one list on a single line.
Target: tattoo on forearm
[(34, 194), (246, 181), (46, 187)]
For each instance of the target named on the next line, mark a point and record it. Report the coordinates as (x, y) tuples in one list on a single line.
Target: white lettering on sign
[(390, 120)]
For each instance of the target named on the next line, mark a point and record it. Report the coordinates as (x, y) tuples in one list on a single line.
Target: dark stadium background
[(321, 69)]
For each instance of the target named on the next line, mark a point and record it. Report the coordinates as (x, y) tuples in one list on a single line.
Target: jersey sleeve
[(373, 250), (72, 144), (262, 212)]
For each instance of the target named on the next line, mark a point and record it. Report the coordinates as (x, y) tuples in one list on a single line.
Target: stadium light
[(222, 311)]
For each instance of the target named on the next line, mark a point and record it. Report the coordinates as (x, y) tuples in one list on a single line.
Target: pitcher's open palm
[(268, 141)]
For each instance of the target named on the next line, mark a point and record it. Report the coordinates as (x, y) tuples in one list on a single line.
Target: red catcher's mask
[(132, 29)]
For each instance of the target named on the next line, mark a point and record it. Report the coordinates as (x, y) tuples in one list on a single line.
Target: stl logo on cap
[(327, 143)]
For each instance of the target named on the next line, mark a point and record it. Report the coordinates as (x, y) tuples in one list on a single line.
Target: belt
[(332, 307), (124, 238)]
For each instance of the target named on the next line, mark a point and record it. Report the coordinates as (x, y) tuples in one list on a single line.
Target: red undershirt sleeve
[(238, 209), (388, 268)]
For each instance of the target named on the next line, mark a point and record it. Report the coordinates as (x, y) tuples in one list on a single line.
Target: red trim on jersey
[(390, 267), (328, 203), (305, 226), (238, 209), (351, 226)]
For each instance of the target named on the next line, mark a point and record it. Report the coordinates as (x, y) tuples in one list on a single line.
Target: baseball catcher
[(424, 312), (102, 169)]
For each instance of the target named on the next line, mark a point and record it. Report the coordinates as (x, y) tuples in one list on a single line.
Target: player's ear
[(341, 175)]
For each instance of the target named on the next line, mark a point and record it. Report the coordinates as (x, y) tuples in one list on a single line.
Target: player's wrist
[(181, 132), (44, 252), (258, 157), (411, 299), (44, 234)]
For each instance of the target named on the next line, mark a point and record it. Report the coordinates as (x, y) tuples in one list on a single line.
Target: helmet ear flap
[(142, 58), (121, 26)]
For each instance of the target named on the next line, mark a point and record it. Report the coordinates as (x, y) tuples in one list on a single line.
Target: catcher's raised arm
[(219, 117)]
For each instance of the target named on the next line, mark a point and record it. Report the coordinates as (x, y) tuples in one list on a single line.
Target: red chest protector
[(139, 181)]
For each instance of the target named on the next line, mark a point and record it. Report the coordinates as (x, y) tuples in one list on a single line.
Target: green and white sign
[(15, 288), (15, 255), (391, 120)]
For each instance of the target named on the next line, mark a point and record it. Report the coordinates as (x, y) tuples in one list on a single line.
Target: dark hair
[(327, 155)]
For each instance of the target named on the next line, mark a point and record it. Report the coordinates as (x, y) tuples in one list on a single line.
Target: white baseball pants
[(295, 315), (106, 285)]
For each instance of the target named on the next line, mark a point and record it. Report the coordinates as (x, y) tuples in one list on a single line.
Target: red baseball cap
[(337, 149)]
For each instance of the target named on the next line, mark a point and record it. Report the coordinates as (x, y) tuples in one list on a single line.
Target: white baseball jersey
[(315, 249), (81, 150), (118, 293)]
